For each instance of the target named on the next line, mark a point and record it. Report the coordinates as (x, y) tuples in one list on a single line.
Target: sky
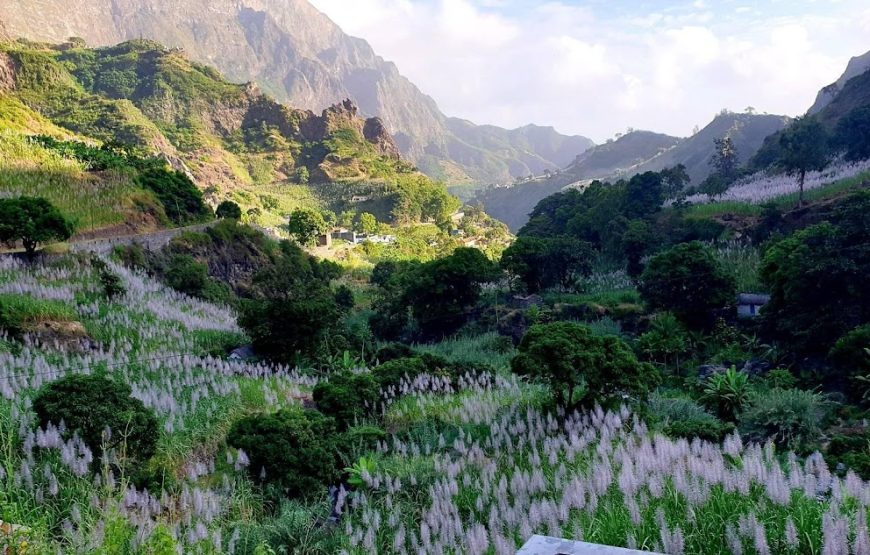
[(599, 67)]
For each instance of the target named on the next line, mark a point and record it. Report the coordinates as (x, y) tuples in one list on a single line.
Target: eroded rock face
[(7, 71), (376, 133)]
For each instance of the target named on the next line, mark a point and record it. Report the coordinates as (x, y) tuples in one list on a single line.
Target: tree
[(293, 450), (305, 225), (543, 263), (636, 242), (292, 309), (345, 219), (581, 367), (228, 210), (88, 405), (805, 148), (689, 281), (853, 134), (32, 221), (442, 291), (818, 279), (725, 159), (675, 179), (366, 223)]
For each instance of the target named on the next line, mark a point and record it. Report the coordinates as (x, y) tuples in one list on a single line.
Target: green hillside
[(230, 139)]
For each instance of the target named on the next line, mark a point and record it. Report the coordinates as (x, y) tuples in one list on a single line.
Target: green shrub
[(711, 429), (781, 378), (683, 417), (88, 405), (186, 275), (228, 210), (347, 397), (391, 374), (791, 418), (180, 198), (393, 351), (727, 393), (852, 451), (291, 451), (852, 360)]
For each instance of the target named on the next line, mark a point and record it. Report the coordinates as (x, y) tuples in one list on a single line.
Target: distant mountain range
[(298, 55), (633, 153)]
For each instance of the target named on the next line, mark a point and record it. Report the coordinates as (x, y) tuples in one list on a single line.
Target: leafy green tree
[(347, 397), (292, 450), (636, 241), (330, 218), (292, 310), (305, 225), (581, 367), (32, 221), (523, 262), (345, 219), (805, 147), (442, 291), (543, 263), (674, 180), (725, 159), (853, 134), (88, 405), (817, 280), (228, 210), (665, 341), (689, 281), (366, 223)]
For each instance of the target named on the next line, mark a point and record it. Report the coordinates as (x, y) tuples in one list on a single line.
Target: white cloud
[(595, 72)]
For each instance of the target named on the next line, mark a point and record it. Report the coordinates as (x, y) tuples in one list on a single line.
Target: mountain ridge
[(298, 55), (234, 141)]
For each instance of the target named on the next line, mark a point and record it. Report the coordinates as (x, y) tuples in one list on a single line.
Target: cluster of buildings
[(352, 237)]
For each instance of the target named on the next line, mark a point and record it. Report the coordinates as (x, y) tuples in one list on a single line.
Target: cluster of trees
[(818, 279), (291, 309), (434, 297), (539, 263), (623, 222)]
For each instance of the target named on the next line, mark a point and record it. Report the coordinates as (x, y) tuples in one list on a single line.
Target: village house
[(749, 304)]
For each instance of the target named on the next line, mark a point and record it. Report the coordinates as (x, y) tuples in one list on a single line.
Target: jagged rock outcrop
[(376, 133), (298, 55)]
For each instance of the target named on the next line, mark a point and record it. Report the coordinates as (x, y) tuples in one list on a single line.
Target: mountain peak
[(855, 67)]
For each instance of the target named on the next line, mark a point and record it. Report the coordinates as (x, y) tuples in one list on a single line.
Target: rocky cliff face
[(297, 54), (857, 66)]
